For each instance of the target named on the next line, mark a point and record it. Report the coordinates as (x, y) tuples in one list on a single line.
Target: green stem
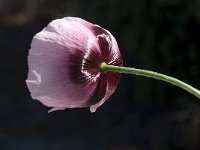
[(151, 74)]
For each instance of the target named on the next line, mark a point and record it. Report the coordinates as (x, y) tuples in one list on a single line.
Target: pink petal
[(48, 78), (111, 55), (64, 64)]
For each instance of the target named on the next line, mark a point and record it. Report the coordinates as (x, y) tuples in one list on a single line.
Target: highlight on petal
[(64, 61)]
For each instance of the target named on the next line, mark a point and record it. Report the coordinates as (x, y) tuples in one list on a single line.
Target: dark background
[(143, 114)]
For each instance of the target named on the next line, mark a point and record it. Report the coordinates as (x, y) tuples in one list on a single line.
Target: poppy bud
[(64, 64)]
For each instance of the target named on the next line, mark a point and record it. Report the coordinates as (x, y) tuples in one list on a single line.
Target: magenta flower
[(64, 64)]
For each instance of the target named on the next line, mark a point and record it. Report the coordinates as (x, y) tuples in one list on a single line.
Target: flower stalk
[(151, 74)]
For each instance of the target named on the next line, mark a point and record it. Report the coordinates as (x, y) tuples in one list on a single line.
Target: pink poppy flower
[(64, 64)]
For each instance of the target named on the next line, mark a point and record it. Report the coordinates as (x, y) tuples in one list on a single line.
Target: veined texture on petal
[(64, 64)]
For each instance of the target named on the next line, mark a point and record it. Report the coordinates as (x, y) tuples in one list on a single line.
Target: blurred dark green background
[(143, 114)]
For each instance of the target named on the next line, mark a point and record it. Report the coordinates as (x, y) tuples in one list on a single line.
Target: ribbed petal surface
[(64, 64)]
